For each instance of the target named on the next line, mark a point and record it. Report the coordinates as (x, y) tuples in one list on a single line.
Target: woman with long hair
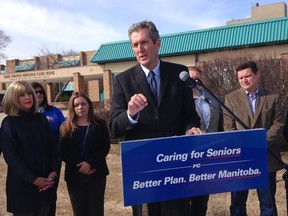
[(30, 151), (84, 145)]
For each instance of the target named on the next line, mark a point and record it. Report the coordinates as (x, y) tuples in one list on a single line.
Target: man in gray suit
[(256, 107), (211, 121)]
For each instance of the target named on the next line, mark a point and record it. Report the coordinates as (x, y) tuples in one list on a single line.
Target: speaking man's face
[(146, 51)]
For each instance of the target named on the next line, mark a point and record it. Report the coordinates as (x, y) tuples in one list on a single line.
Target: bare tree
[(70, 52), (4, 41), (51, 60), (220, 75)]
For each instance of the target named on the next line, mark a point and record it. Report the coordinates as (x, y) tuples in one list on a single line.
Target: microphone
[(190, 82)]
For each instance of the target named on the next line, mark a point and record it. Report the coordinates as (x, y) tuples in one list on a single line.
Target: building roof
[(68, 87), (24, 67), (68, 63), (264, 32), (3, 72)]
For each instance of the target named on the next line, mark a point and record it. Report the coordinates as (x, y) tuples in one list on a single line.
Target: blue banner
[(185, 166)]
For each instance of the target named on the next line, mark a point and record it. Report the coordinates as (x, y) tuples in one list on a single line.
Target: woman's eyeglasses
[(39, 92)]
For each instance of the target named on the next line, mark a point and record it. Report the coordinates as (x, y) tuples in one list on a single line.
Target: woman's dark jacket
[(30, 151), (98, 146)]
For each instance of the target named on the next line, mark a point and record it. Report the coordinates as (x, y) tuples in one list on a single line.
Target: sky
[(83, 25)]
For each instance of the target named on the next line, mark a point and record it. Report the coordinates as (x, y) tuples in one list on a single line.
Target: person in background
[(84, 145), (30, 151), (149, 100), (256, 107), (55, 118), (211, 121), (54, 115), (211, 113)]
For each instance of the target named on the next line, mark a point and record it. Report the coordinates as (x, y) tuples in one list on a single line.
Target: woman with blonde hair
[(30, 151), (84, 145)]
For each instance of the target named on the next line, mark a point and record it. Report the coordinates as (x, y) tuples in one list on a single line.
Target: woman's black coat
[(98, 146), (30, 151)]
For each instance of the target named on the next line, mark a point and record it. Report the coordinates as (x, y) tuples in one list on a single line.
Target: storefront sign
[(28, 76)]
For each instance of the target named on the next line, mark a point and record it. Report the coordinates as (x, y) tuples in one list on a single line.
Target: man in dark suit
[(256, 107), (137, 113), (211, 121)]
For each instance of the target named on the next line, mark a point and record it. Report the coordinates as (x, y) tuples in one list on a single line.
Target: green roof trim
[(68, 63), (102, 96), (69, 87), (24, 67), (264, 32), (3, 72)]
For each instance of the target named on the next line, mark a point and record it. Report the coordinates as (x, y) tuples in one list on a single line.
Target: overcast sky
[(83, 25)]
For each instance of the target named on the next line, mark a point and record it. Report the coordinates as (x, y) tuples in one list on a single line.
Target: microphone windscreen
[(184, 76)]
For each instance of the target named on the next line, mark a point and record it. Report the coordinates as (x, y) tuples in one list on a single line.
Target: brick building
[(92, 71)]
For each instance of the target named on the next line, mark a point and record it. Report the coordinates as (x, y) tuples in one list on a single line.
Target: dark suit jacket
[(267, 115), (175, 112)]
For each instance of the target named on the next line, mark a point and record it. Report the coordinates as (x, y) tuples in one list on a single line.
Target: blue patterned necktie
[(153, 85)]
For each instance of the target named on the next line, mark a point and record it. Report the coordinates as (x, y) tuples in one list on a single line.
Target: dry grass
[(218, 204)]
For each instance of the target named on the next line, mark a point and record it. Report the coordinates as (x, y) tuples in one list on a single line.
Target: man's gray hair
[(153, 31)]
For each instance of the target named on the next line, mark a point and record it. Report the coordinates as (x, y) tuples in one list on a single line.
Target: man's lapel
[(247, 110), (164, 78)]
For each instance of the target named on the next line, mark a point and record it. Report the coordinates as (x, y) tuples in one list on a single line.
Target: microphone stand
[(232, 115)]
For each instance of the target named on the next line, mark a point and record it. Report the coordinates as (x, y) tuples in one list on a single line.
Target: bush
[(103, 113), (221, 78)]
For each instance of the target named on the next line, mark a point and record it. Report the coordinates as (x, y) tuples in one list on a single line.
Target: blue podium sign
[(185, 166)]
